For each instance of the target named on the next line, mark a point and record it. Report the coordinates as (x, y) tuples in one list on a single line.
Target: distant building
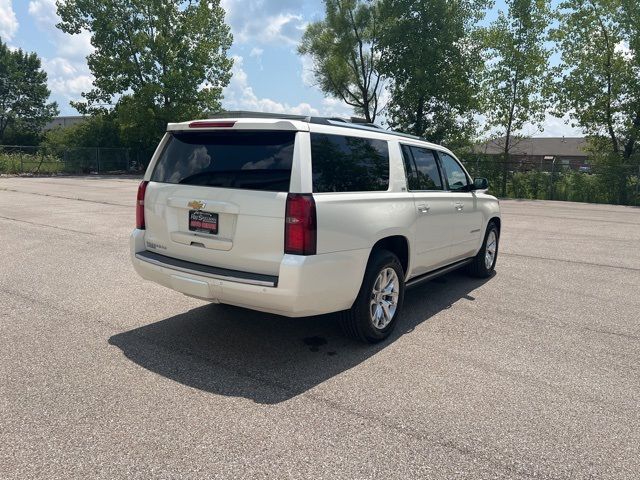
[(64, 121), (541, 152)]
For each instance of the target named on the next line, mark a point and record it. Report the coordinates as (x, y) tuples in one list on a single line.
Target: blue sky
[(269, 75)]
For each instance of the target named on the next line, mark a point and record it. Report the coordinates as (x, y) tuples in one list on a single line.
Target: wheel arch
[(497, 221), (396, 244)]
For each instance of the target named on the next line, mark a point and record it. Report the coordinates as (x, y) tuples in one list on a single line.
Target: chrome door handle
[(424, 208), (459, 206)]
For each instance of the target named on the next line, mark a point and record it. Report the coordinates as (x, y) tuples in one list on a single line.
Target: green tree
[(160, 60), (344, 49), (100, 130), (432, 56), (599, 80), (23, 93), (515, 77)]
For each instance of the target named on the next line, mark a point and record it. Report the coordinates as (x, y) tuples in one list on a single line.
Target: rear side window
[(349, 164), (246, 160), (422, 168)]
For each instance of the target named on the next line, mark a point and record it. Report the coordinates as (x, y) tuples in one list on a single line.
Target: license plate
[(203, 222)]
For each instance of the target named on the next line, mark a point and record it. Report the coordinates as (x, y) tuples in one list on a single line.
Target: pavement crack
[(78, 199), (581, 219), (45, 225), (60, 309), (609, 332), (577, 262)]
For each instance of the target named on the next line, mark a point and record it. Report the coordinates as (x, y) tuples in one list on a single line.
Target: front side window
[(349, 164), (456, 177), (259, 160), (422, 168)]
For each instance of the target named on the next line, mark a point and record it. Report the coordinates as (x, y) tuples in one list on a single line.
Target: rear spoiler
[(239, 123)]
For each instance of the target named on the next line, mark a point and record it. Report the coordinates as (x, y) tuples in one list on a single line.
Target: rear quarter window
[(245, 160), (349, 164)]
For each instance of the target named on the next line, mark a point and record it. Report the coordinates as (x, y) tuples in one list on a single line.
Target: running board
[(437, 273)]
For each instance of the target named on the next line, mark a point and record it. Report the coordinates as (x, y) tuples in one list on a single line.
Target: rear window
[(247, 160), (422, 168), (349, 164)]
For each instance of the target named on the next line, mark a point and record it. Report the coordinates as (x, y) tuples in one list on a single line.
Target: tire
[(484, 264), (366, 320)]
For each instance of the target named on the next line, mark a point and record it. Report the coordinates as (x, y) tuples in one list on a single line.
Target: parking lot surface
[(534, 373)]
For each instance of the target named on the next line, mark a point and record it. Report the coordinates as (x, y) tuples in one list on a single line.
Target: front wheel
[(484, 263), (377, 307)]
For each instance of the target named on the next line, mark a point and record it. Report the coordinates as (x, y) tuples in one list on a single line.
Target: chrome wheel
[(490, 249), (384, 298)]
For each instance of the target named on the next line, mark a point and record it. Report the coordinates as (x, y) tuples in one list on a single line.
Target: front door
[(467, 221)]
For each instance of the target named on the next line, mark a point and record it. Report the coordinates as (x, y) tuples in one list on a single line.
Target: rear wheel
[(484, 263), (377, 307)]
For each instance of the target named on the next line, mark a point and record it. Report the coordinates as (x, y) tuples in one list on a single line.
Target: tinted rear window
[(246, 160), (422, 168), (349, 164)]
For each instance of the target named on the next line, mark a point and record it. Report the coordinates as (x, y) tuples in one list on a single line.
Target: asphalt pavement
[(533, 373)]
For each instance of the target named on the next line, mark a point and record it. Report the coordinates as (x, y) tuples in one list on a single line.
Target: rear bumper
[(305, 286)]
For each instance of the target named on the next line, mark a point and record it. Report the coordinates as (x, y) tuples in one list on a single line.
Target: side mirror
[(480, 183)]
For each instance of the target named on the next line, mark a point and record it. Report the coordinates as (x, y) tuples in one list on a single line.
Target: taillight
[(142, 189), (208, 124), (300, 225)]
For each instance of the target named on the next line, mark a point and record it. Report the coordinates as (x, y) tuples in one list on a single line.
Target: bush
[(604, 183), (15, 163)]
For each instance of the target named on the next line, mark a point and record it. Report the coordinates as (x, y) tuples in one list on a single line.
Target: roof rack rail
[(352, 122)]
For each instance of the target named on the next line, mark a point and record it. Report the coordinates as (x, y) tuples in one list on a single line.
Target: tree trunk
[(627, 152), (505, 167), (418, 125), (3, 127), (507, 138)]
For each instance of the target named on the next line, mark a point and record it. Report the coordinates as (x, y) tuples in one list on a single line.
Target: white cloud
[(308, 77), (67, 79), (239, 95), (69, 46), (551, 127), (75, 46), (558, 127), (265, 21), (8, 21), (44, 11), (623, 49), (68, 73), (257, 54), (333, 107)]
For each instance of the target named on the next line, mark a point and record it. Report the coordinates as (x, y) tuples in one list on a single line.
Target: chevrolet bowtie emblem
[(196, 204)]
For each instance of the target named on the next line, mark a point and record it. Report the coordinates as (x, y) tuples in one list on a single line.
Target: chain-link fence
[(597, 183), (592, 183), (72, 160)]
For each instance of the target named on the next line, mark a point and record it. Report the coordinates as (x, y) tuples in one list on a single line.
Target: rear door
[(217, 197), (433, 233)]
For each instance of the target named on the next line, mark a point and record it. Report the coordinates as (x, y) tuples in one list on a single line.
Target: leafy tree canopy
[(516, 71), (599, 75), (432, 56), (99, 130), (23, 93), (157, 60), (516, 67), (345, 51)]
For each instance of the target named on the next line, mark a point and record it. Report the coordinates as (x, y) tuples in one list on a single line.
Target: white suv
[(303, 216)]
